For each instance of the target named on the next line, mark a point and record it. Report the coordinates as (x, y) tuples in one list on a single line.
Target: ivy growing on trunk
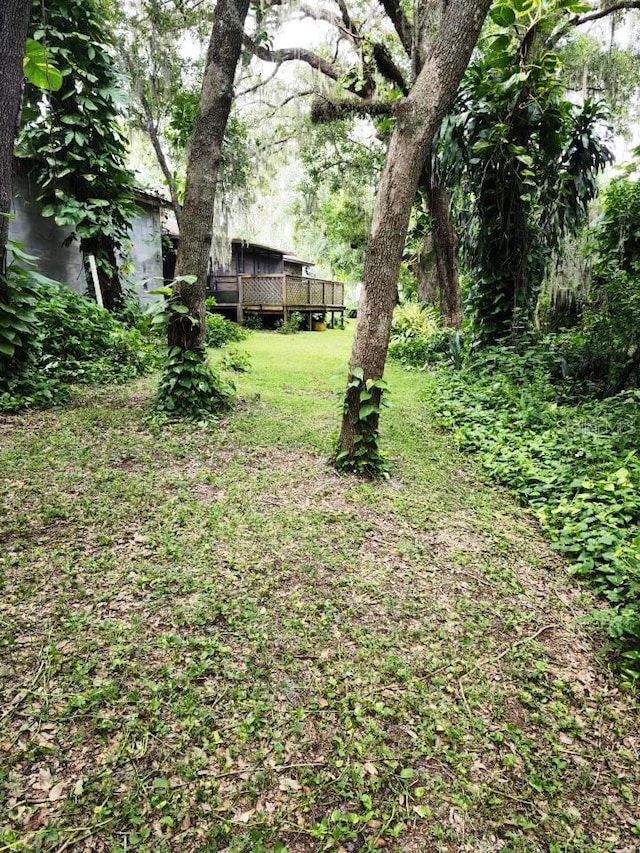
[(72, 140)]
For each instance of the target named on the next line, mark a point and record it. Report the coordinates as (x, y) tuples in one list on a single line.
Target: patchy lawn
[(212, 642)]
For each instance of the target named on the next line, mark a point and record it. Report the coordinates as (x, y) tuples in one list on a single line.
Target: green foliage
[(221, 331), (340, 174), (367, 397), (236, 167), (50, 335), (417, 339), (81, 342), (18, 322), (38, 67), (575, 465), (253, 322), (609, 72), (72, 139), (23, 381), (190, 389), (523, 160), (292, 325), (414, 320), (236, 360), (611, 320)]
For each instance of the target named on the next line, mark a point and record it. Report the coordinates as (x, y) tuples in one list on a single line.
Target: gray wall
[(145, 260), (44, 239)]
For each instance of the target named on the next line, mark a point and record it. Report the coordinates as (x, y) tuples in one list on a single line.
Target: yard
[(210, 641)]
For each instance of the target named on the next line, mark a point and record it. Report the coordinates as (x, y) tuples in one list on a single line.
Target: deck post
[(239, 311), (283, 290)]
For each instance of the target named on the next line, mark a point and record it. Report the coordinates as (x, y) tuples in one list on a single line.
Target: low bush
[(81, 342), (576, 465), (418, 340), (236, 360), (221, 331), (292, 324), (50, 336)]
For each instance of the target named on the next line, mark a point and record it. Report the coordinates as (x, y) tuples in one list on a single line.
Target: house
[(61, 260), (261, 280), (257, 280)]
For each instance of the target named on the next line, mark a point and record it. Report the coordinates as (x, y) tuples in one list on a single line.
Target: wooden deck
[(279, 293)]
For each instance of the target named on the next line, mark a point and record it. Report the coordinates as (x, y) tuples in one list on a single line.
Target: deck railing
[(290, 290)]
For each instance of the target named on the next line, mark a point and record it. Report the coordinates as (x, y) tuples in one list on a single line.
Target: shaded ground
[(212, 642)]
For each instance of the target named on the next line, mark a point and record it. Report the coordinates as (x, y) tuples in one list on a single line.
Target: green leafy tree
[(73, 139), (336, 192), (522, 159), (611, 320), (605, 71)]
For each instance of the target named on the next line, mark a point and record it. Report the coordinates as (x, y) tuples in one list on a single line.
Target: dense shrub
[(612, 315), (236, 360), (81, 342), (417, 339), (51, 336), (575, 465), (23, 382), (292, 325), (221, 331)]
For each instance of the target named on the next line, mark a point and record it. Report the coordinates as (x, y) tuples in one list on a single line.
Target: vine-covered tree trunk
[(196, 221), (14, 24), (447, 42)]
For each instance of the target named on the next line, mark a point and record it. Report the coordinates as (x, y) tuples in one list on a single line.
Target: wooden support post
[(283, 288), (96, 280), (239, 311)]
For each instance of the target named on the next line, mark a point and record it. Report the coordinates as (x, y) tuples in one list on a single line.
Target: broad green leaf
[(503, 16), (39, 69)]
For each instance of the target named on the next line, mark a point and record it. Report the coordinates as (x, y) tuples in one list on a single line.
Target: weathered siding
[(145, 260), (45, 240), (252, 260)]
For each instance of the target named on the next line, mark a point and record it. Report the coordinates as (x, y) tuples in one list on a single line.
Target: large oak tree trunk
[(453, 30), (196, 220), (14, 24)]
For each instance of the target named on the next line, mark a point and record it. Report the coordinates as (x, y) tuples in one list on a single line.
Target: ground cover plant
[(574, 462), (212, 641)]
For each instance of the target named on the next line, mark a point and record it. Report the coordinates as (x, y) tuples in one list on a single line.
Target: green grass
[(210, 641)]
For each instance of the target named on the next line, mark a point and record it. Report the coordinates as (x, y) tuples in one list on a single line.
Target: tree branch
[(388, 69), (260, 84), (579, 20), (324, 15), (596, 15), (400, 22), (324, 110), (151, 126), (292, 54)]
